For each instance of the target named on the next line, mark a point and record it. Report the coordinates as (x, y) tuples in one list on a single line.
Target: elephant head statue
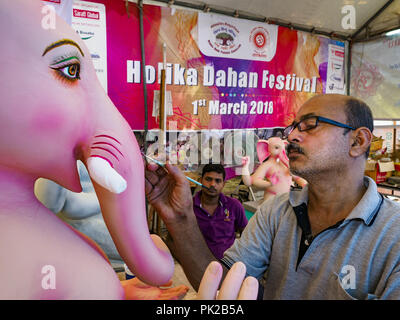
[(273, 174), (54, 112), (274, 147)]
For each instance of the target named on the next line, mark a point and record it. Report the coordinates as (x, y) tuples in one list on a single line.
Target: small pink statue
[(272, 175)]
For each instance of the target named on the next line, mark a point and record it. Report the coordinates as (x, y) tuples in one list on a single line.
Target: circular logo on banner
[(366, 80), (260, 38), (224, 40)]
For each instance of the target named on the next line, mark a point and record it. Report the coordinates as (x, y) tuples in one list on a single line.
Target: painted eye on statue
[(71, 72), (68, 69), (68, 66)]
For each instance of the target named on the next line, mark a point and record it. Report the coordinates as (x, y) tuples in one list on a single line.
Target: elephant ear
[(262, 150)]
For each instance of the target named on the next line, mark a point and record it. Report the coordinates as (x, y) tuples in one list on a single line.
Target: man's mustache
[(294, 147)]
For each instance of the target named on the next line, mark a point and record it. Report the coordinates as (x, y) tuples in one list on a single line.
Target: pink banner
[(222, 72)]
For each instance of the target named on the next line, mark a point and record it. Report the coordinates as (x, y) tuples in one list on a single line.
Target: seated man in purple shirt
[(219, 217)]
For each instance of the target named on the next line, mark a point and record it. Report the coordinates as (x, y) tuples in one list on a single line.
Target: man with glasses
[(337, 238)]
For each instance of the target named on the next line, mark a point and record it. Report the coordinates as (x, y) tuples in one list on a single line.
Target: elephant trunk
[(284, 158), (116, 168)]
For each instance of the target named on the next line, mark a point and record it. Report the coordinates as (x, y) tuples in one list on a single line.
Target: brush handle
[(163, 165), (156, 161), (196, 182)]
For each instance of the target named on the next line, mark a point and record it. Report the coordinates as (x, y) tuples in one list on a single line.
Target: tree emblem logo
[(225, 38)]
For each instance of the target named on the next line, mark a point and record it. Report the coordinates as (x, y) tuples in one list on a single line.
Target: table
[(388, 188)]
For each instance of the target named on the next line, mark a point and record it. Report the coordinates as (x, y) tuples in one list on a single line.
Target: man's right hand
[(168, 191)]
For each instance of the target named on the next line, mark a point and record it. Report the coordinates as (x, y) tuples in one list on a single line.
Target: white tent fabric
[(325, 16)]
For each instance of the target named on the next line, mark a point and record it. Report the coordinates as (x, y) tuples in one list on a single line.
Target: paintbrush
[(163, 166)]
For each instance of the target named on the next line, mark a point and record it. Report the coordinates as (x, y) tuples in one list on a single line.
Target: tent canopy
[(324, 17)]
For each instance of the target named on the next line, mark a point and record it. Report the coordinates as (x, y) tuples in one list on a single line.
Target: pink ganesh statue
[(54, 112), (273, 174)]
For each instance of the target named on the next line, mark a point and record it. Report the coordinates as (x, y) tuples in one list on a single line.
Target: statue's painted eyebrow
[(61, 43)]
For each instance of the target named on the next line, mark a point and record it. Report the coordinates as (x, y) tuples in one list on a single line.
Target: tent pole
[(348, 67), (162, 136), (140, 5)]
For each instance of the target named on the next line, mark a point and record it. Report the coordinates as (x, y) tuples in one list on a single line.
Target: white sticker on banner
[(335, 72), (168, 103), (222, 36), (63, 8), (89, 22)]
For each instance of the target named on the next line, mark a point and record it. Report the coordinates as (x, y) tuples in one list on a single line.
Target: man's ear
[(361, 140)]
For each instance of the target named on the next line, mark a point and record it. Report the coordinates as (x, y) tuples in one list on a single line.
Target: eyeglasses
[(311, 123)]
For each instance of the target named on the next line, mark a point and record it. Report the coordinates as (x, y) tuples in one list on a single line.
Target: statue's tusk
[(106, 176)]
